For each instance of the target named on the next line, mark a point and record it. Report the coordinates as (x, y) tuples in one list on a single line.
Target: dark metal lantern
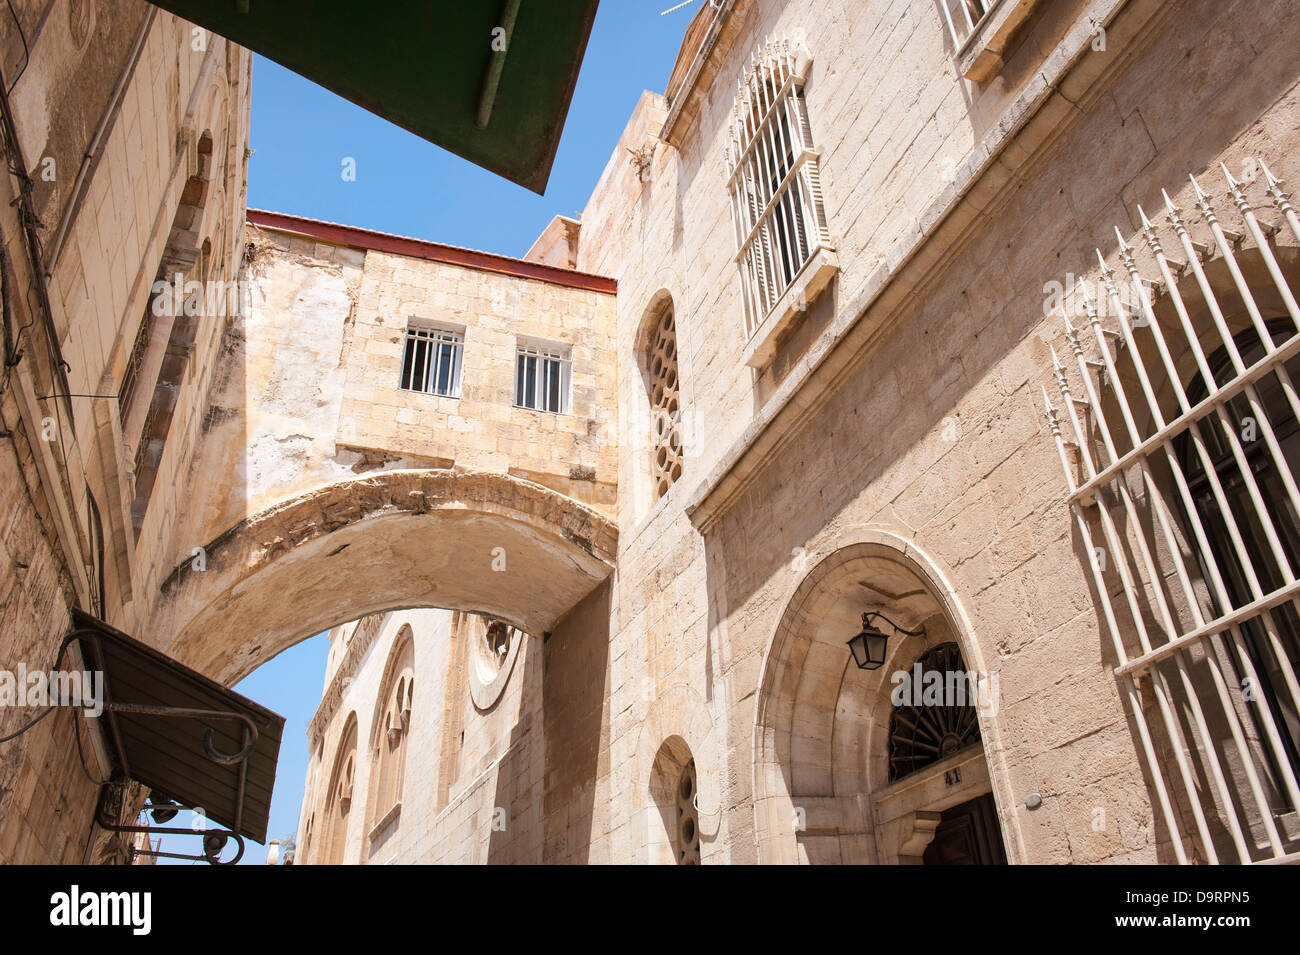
[(868, 646)]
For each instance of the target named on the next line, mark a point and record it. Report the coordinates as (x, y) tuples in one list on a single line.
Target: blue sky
[(300, 136)]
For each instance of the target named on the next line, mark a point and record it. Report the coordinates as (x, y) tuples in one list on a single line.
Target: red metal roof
[(432, 251)]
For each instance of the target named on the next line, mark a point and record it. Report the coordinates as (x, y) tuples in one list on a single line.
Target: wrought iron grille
[(776, 193), (921, 734), (432, 360), (1180, 453), (963, 16), (542, 376)]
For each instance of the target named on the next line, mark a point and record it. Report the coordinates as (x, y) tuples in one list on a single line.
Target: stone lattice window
[(688, 819), (665, 406), (776, 193)]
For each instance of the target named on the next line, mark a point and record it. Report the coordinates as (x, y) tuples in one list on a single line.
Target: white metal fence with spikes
[(776, 193), (1181, 446)]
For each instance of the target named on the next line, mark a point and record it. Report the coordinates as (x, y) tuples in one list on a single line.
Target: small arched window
[(392, 727), (338, 803), (665, 403)]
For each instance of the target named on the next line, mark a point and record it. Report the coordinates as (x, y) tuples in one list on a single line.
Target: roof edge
[(431, 251)]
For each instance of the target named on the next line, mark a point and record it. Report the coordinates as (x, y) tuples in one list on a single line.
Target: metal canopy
[(431, 67), (181, 734)]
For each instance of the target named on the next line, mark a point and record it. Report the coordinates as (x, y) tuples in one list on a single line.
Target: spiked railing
[(1208, 583), (776, 194)]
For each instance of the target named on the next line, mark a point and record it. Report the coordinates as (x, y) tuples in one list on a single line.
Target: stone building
[(126, 134), (850, 243), (888, 322)]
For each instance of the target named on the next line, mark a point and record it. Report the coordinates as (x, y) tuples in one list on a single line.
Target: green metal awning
[(439, 69)]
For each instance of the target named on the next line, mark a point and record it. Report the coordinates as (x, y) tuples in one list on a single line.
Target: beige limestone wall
[(105, 208), (472, 790), (932, 432)]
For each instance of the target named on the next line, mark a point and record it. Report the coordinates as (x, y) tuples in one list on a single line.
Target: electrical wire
[(27, 56)]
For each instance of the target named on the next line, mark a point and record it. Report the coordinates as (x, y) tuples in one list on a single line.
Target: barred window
[(542, 375), (432, 360), (963, 16), (665, 408), (776, 196)]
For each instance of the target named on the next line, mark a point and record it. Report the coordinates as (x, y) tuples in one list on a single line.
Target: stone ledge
[(982, 54), (812, 279)]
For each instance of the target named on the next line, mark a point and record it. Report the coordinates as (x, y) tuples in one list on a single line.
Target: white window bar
[(431, 362), (542, 376), (1209, 472), (776, 195), (963, 17)]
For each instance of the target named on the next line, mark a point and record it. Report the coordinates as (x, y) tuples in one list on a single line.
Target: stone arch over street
[(450, 538)]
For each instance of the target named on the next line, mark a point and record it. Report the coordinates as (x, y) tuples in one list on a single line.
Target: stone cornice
[(362, 637)]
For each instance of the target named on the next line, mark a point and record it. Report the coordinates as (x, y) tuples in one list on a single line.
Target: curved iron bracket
[(210, 857), (866, 622), (194, 714)]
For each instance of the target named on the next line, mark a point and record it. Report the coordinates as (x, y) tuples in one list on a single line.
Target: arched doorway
[(838, 770)]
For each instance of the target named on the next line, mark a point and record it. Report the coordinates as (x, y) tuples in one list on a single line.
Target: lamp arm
[(876, 613)]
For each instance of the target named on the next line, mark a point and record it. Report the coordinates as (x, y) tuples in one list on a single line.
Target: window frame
[(784, 253), (435, 336), (542, 384)]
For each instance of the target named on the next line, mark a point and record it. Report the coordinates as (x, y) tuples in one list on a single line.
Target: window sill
[(388, 819), (427, 394), (560, 414), (982, 54), (807, 285)]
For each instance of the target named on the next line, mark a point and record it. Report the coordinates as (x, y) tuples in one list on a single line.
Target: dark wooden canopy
[(171, 752)]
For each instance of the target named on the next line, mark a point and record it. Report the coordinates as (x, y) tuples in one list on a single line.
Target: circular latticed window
[(665, 406), (688, 819), (493, 647), (937, 716)]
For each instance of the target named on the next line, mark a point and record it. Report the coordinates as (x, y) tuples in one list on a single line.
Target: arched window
[(392, 728), (775, 185), (665, 405), (338, 802), (934, 712)]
